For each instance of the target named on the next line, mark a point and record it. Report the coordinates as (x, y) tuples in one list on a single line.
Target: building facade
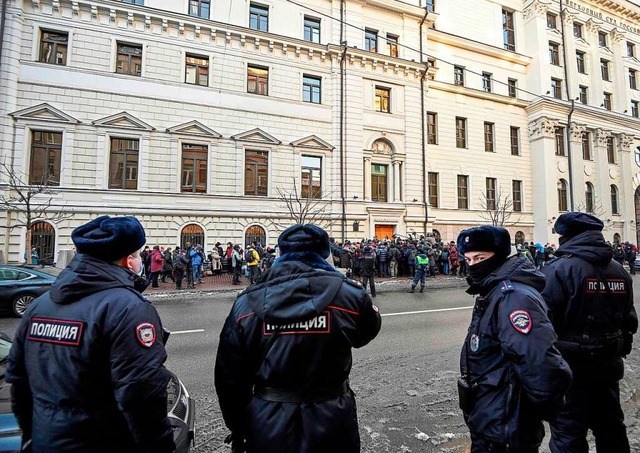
[(403, 118)]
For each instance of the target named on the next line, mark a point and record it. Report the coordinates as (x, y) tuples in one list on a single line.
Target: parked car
[(180, 408), (20, 285)]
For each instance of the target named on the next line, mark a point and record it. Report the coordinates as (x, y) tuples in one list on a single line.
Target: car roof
[(39, 271)]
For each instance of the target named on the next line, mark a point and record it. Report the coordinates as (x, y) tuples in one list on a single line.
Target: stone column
[(396, 181), (602, 206), (570, 52), (367, 179), (593, 56), (626, 193), (620, 77), (536, 45), (545, 176), (579, 166)]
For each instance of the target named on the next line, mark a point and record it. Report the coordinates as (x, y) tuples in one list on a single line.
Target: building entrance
[(385, 232)]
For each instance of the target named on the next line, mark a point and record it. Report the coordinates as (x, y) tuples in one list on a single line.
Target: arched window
[(637, 153), (617, 239), (437, 236), (193, 234), (43, 238), (519, 237), (588, 196), (255, 233), (562, 195), (614, 199)]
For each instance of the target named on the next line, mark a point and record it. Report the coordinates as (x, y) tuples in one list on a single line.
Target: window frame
[(461, 132), (195, 169), (312, 88), (433, 189), (55, 45), (552, 21), (581, 62), (562, 195), (312, 171), (514, 140), (370, 36), (556, 88), (635, 109), (602, 39), (554, 53), (130, 57), (48, 148), (559, 141), (615, 200), (633, 79), (258, 78), (487, 82), (604, 70), (583, 94), (508, 30), (489, 137), (462, 191), (376, 176), (199, 8), (631, 49), (392, 43), (310, 26), (491, 185), (512, 87), (197, 66), (588, 197), (585, 146), (458, 75), (577, 27), (432, 128), (611, 150), (126, 167), (379, 100), (257, 166), (607, 100), (258, 12), (516, 201)]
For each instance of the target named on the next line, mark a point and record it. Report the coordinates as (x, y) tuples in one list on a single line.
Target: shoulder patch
[(521, 321), (56, 331), (506, 286), (146, 334)]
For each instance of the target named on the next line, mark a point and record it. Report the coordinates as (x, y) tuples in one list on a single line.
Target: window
[(458, 75), (463, 192), (134, 2), (129, 59), (383, 96), (611, 150), (516, 195), (556, 88), (552, 21), (490, 194), (311, 177), (602, 39), (631, 49), (255, 234), (431, 6), (488, 137), (513, 87), (588, 197), (634, 109), (311, 89), (554, 53), (584, 96), (614, 200), (577, 30), (508, 31), (432, 128), (258, 80), (46, 151), (311, 29), (191, 234), (392, 45), (259, 17), (604, 69), (559, 135), (433, 189), (256, 172), (606, 102), (580, 61), (633, 79), (371, 40), (486, 82), (378, 182), (461, 132), (43, 238), (53, 47), (514, 133), (562, 195), (199, 8), (197, 70), (194, 168), (123, 164), (586, 146)]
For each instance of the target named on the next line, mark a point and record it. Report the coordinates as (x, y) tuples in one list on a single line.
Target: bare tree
[(596, 209), (31, 202), (304, 208), (498, 211)]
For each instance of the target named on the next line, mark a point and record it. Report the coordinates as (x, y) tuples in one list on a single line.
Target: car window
[(8, 274), (23, 276), (50, 270), (5, 347)]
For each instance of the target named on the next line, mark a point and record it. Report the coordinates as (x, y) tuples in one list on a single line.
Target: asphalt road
[(404, 379)]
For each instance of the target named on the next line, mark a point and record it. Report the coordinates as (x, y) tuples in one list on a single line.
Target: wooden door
[(385, 231)]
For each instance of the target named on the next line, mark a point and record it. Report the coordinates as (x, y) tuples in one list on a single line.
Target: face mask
[(478, 272)]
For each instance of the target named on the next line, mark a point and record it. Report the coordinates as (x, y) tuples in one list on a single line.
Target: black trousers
[(154, 279), (590, 405), (369, 278), (632, 267), (482, 445), (179, 277), (236, 274)]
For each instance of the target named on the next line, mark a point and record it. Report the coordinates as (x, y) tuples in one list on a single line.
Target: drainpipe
[(343, 43), (5, 5), (423, 127), (573, 105)]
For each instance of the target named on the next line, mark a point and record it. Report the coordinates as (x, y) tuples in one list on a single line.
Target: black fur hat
[(485, 239), (109, 238), (305, 238)]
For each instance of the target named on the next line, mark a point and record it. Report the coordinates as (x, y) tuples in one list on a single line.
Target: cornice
[(401, 7), (479, 94), (478, 47)]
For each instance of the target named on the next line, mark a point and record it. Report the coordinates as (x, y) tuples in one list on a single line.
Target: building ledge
[(479, 94)]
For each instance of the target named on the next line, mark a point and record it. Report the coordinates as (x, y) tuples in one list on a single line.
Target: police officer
[(86, 365), (512, 374), (422, 267), (284, 355), (368, 265), (590, 299)]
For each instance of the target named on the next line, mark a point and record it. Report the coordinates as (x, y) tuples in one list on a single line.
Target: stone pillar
[(396, 181), (570, 52), (367, 179), (626, 193), (579, 166), (536, 45), (544, 176), (620, 77), (595, 87), (602, 206)]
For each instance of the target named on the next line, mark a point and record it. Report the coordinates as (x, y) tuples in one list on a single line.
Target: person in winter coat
[(252, 264), (631, 254), (394, 256), (513, 376), (590, 300), (383, 260), (454, 259), (236, 263), (410, 256), (197, 258), (167, 266), (280, 389), (86, 365), (157, 264), (368, 265), (180, 264), (422, 267)]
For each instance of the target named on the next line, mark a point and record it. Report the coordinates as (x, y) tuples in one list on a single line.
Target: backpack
[(178, 263), (368, 262), (249, 257)]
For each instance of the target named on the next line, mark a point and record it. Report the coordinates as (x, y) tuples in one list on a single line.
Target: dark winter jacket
[(87, 366), (383, 253), (368, 263), (582, 282), (285, 356), (509, 356), (345, 258)]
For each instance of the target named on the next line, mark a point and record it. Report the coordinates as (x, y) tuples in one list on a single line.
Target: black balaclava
[(478, 272)]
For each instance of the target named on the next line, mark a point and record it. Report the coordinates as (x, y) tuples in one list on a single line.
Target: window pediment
[(256, 135), (195, 128), (123, 120), (313, 142), (44, 112)]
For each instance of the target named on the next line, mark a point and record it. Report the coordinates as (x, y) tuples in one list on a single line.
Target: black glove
[(238, 443), (627, 344)]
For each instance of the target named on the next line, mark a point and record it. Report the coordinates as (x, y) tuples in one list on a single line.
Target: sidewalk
[(222, 283)]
